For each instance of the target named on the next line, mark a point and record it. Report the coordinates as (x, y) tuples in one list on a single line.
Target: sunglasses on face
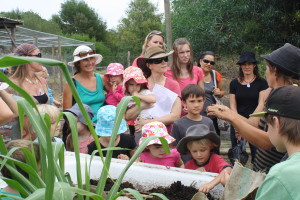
[(158, 60), (39, 55), (208, 61), (84, 54)]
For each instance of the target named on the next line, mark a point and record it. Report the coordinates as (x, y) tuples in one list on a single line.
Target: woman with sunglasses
[(89, 85), (154, 38), (154, 65), (25, 75), (206, 61), (182, 70)]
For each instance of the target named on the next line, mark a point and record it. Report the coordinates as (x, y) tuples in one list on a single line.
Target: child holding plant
[(200, 142), (114, 76), (18, 155), (84, 135), (105, 123), (136, 85), (154, 152)]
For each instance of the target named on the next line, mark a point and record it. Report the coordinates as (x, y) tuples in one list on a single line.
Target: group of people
[(178, 104)]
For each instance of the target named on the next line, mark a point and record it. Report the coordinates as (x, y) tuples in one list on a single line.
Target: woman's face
[(156, 40), (35, 67), (207, 63), (159, 66), (88, 64), (184, 53), (248, 68)]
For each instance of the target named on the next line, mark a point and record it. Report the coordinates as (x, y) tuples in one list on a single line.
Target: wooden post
[(128, 58), (168, 27), (59, 58), (53, 68)]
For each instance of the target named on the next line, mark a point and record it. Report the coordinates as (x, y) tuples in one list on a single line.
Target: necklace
[(248, 83), (32, 82)]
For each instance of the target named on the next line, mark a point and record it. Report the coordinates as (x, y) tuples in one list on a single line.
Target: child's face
[(132, 86), (194, 104), (199, 152), (54, 131), (274, 135), (156, 150), (117, 79)]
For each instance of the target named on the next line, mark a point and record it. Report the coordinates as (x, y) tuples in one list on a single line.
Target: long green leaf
[(16, 185)]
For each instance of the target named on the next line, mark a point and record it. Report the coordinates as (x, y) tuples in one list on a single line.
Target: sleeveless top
[(94, 99), (42, 99)]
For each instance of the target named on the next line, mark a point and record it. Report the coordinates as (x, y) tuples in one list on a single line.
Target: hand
[(237, 135), (123, 157), (139, 123), (139, 160), (114, 86), (221, 111), (216, 91), (201, 169), (57, 103), (205, 188)]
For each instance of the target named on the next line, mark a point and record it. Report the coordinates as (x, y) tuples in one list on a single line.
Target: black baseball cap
[(283, 101)]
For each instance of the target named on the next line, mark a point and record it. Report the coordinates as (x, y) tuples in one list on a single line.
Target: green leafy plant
[(52, 182)]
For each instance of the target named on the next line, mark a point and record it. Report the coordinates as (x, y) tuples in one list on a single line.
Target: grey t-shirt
[(209, 99)]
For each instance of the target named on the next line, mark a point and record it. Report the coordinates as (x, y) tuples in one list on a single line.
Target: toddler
[(200, 143), (84, 135), (114, 76), (105, 123), (136, 85), (154, 152)]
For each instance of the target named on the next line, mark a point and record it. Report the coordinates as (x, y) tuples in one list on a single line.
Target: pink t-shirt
[(83, 145), (183, 82), (216, 164), (173, 86), (114, 98), (169, 160)]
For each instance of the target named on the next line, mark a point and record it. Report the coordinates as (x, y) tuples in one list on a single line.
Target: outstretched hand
[(220, 111)]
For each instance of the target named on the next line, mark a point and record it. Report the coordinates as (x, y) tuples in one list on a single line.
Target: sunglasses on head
[(39, 55), (84, 54), (155, 33), (208, 61), (158, 60)]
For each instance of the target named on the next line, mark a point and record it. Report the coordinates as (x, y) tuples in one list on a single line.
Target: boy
[(283, 118), (200, 142), (193, 98)]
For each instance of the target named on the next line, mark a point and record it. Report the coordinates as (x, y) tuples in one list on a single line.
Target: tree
[(77, 17)]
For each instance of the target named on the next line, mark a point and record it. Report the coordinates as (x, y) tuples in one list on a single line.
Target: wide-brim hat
[(76, 111), (105, 121), (247, 56), (134, 73), (152, 53), (84, 48), (197, 132), (155, 129), (114, 69), (284, 102), (287, 58)]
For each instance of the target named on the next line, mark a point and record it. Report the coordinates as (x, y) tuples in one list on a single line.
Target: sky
[(110, 11)]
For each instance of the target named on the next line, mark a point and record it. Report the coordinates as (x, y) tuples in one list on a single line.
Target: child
[(84, 135), (105, 123), (200, 142), (18, 155), (53, 112), (136, 85), (193, 98), (114, 76), (283, 119), (154, 152)]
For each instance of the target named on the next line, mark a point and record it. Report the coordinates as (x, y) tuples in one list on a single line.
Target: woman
[(90, 85), (25, 75), (245, 91), (154, 65), (182, 69), (154, 38), (9, 107), (283, 68), (206, 61)]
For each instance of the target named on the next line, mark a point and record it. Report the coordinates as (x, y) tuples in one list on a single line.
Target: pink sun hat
[(155, 129), (114, 69), (134, 73)]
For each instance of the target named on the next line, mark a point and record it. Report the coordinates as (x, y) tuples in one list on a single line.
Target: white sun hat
[(82, 52)]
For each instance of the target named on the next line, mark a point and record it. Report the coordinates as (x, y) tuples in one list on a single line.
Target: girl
[(105, 124), (84, 135), (154, 152), (136, 85), (114, 76)]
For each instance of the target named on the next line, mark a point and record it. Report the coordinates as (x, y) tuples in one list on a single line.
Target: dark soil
[(110, 183)]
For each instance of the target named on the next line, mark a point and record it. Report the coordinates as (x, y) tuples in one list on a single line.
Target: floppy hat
[(76, 111), (197, 132), (247, 56), (155, 129), (284, 102), (114, 69), (152, 53), (84, 49), (287, 58), (134, 73), (105, 121)]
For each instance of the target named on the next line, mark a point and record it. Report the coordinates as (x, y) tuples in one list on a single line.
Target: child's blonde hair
[(51, 110), (205, 143)]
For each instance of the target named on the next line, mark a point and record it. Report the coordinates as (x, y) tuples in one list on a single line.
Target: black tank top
[(42, 99)]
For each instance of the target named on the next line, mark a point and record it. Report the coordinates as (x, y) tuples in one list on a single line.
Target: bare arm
[(219, 91), (148, 98), (201, 84), (106, 84), (232, 101), (6, 114), (10, 102), (180, 163), (67, 97)]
